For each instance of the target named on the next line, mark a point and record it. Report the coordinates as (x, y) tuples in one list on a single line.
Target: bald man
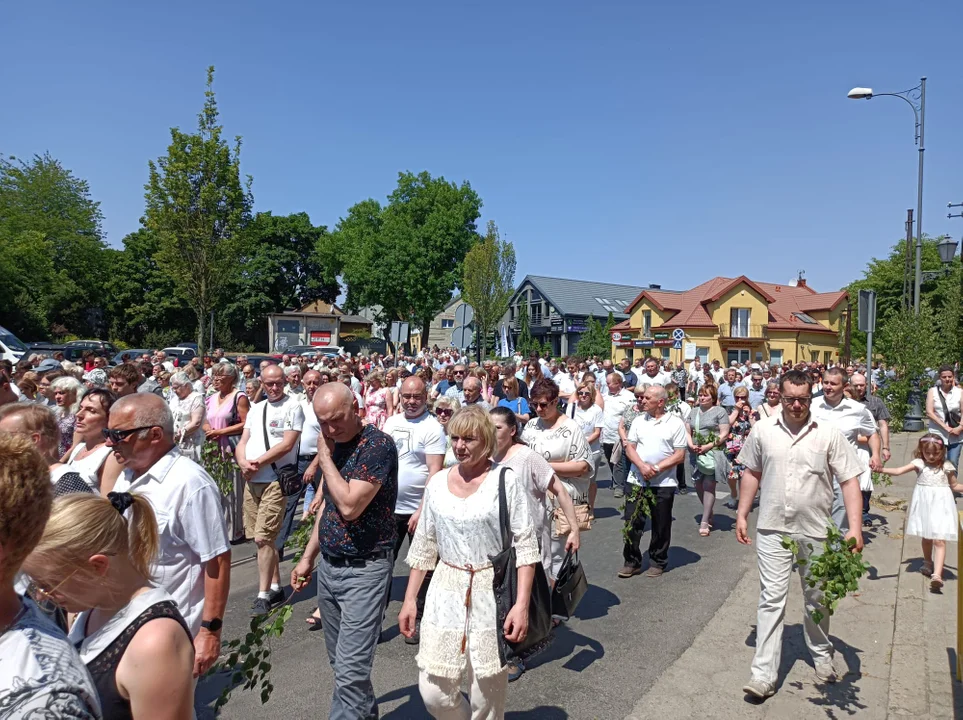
[(354, 535), (421, 445)]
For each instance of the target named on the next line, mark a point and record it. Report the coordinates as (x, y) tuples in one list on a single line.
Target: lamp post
[(916, 99), (960, 326)]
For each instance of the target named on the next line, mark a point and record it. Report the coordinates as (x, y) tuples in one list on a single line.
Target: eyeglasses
[(459, 372), (790, 401), (542, 405), (115, 437), (584, 394), (44, 598), (444, 412), (773, 394)]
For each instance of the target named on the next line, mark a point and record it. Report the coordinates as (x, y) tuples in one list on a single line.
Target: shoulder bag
[(570, 586), (235, 418), (952, 418), (505, 586), (705, 463), (290, 480)]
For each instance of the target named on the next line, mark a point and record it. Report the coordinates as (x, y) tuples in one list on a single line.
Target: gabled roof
[(582, 297), (687, 309)]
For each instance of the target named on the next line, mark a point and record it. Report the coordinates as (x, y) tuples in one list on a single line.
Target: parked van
[(10, 346)]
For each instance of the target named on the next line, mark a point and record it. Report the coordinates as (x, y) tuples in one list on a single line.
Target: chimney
[(801, 279), (654, 286)]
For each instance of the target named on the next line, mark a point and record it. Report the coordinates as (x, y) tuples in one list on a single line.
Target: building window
[(739, 322), (289, 326), (775, 357), (740, 356), (703, 354), (827, 358), (447, 324), (646, 323), (536, 313), (808, 319), (814, 356)]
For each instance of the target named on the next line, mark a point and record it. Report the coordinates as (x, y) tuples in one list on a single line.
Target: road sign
[(677, 345), (678, 334), (461, 337), (399, 332), (464, 314), (866, 311)]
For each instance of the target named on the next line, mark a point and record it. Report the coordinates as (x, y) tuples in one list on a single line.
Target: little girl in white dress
[(932, 512)]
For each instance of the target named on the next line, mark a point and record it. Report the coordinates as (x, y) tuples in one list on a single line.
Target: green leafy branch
[(836, 572), (644, 500), (220, 468), (882, 479), (704, 437)]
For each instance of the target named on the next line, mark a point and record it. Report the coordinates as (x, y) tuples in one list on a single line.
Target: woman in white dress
[(188, 409), (94, 561), (590, 419), (459, 526), (559, 439)]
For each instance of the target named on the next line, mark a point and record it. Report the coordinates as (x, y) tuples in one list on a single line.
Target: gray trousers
[(839, 516), (352, 603)]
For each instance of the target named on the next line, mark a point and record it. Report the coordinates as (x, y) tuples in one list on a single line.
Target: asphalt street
[(624, 635)]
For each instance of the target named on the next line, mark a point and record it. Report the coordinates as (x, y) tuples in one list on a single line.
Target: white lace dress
[(932, 511), (463, 533)]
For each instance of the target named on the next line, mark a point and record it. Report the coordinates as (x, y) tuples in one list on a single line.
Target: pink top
[(219, 415), (376, 407)]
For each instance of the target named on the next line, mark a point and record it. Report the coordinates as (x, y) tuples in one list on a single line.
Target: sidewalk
[(894, 642)]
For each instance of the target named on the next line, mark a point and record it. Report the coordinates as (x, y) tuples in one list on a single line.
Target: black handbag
[(289, 478), (505, 585), (952, 416), (570, 586)]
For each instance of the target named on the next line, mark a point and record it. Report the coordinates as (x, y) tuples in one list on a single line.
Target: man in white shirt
[(567, 381), (656, 444), (717, 371), (856, 423), (653, 374), (616, 401), (421, 444), (194, 558), (269, 442), (307, 465)]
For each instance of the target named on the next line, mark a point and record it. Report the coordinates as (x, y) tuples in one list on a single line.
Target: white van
[(10, 346)]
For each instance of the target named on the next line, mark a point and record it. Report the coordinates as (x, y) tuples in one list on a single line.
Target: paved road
[(625, 634)]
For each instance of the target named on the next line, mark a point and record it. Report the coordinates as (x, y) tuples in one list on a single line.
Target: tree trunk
[(201, 317)]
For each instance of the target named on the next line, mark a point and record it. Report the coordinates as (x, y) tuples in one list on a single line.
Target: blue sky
[(631, 142)]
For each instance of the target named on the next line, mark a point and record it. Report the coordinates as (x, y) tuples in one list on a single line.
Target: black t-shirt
[(370, 457), (499, 392)]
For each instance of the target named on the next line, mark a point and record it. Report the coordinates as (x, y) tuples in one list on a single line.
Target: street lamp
[(916, 99), (960, 326)]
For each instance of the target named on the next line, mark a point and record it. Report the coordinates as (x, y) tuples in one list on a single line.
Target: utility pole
[(959, 327), (908, 269)]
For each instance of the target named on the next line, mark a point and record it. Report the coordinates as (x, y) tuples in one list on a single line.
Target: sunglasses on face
[(541, 405), (789, 402), (443, 412), (115, 437), (584, 394)]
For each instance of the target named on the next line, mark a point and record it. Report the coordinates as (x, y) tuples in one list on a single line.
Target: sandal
[(927, 569), (314, 623), (704, 529), (936, 583)]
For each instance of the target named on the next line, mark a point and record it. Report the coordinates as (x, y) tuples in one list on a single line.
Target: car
[(256, 360), (181, 355), (191, 345), (10, 346), (133, 354), (101, 347)]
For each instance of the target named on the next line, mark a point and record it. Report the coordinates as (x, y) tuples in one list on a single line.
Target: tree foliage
[(198, 209), (597, 339), (489, 280), (406, 257), (46, 210)]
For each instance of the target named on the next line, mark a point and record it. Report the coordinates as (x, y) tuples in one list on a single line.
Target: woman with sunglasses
[(771, 407), (445, 407), (707, 428), (590, 420), (512, 401), (739, 426), (559, 439), (94, 561)]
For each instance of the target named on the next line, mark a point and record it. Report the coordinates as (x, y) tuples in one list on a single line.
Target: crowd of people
[(112, 530)]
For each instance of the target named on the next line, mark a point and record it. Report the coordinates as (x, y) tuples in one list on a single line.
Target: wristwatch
[(656, 468), (212, 625)]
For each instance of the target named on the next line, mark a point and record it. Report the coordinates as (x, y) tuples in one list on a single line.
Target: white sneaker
[(759, 689), (732, 503), (825, 672)]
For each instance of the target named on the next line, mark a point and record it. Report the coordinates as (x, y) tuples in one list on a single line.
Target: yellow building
[(729, 319)]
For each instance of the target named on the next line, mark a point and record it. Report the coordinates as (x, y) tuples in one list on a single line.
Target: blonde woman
[(94, 559), (67, 391), (379, 402)]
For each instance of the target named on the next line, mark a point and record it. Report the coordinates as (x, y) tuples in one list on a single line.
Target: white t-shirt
[(310, 430), (414, 439), (282, 416), (566, 385), (612, 413), (853, 419), (655, 439), (952, 403), (661, 378), (588, 420), (41, 675), (717, 374), (190, 523)]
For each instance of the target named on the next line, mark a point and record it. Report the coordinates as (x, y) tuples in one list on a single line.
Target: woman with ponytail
[(94, 559)]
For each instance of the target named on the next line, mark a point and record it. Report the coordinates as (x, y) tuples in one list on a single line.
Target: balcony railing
[(543, 321), (728, 330)]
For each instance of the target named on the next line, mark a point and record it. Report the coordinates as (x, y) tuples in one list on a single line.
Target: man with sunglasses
[(791, 459), (456, 390), (857, 425), (194, 557)]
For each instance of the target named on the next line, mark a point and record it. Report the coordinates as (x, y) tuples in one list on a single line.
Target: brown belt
[(471, 581)]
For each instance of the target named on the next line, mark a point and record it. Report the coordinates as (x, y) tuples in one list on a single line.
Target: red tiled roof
[(624, 325), (688, 309)]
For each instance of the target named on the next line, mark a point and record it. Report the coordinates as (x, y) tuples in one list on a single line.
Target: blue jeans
[(352, 603), (953, 455)]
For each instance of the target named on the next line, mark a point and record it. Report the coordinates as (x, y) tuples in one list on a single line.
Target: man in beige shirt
[(792, 459)]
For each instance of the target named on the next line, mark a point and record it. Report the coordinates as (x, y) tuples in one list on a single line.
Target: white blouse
[(464, 533)]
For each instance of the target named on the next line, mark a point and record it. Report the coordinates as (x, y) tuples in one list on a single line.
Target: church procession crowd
[(115, 541)]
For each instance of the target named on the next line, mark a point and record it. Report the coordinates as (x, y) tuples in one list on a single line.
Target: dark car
[(101, 347), (134, 353), (180, 355)]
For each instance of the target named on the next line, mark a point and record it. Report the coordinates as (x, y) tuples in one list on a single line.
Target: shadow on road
[(680, 557), (596, 603), (542, 712), (565, 643), (412, 708)]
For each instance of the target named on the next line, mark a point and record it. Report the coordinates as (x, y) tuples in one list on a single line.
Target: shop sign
[(642, 343), (663, 342), (577, 327), (621, 336), (661, 334), (557, 324), (319, 338), (623, 343)]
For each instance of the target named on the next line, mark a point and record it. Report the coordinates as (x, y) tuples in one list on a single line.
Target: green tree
[(29, 284), (198, 208), (289, 263), (596, 340), (909, 343), (885, 276), (406, 257), (489, 280), (45, 208), (141, 298)]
